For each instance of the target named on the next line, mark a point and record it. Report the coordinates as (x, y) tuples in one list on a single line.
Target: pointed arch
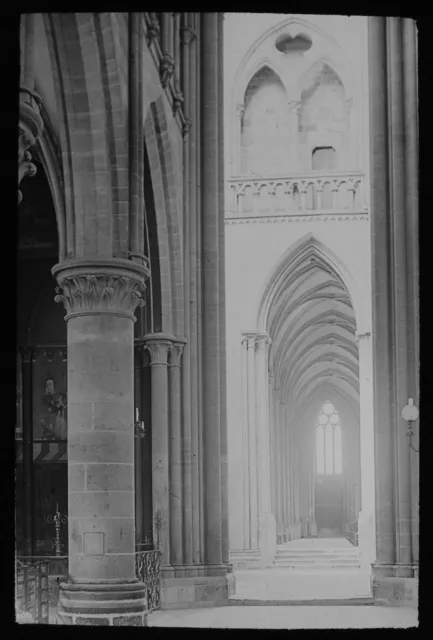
[(292, 26), (161, 163), (306, 247), (264, 63), (342, 73)]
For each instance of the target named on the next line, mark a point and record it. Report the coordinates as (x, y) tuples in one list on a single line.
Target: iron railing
[(351, 532), (37, 588), (147, 570), (38, 579)]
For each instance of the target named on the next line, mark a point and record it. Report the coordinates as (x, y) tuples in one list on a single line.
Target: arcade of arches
[(123, 388)]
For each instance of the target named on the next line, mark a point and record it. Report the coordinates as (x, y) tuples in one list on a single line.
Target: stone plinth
[(103, 605), (390, 591)]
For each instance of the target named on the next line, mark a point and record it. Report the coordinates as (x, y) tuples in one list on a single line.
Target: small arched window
[(324, 159), (328, 441)]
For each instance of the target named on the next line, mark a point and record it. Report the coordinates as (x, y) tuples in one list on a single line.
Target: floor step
[(270, 602), (316, 567)]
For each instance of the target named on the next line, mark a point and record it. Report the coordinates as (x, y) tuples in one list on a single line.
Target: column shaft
[(394, 223), (252, 441), (175, 456), (382, 313), (222, 302), (158, 346), (189, 363), (410, 92), (245, 446), (211, 210), (138, 451)]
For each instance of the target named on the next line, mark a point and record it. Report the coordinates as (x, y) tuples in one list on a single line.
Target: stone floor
[(288, 617), (282, 584)]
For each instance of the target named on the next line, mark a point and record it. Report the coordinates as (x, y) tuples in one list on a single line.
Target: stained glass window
[(328, 441)]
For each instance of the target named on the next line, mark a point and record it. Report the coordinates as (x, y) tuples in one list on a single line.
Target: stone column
[(252, 444), (190, 379), (285, 469), (139, 433), (175, 454), (212, 254), (245, 446), (100, 298), (366, 519), (158, 346), (394, 230), (267, 533)]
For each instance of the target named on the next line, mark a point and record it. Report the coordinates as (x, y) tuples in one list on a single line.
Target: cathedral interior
[(217, 303)]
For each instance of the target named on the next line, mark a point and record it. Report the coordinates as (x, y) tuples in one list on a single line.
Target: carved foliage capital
[(248, 340), (263, 341), (176, 354), (84, 294), (158, 347), (256, 341)]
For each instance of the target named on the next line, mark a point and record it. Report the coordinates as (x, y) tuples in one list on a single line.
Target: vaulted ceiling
[(312, 325)]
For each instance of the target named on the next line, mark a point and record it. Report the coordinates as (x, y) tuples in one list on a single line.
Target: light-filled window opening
[(324, 159), (328, 441)]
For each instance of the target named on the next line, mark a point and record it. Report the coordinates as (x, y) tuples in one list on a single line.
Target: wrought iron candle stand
[(57, 519)]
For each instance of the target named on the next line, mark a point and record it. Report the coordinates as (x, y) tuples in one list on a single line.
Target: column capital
[(175, 352), (89, 287), (359, 335), (263, 341), (158, 346), (249, 339)]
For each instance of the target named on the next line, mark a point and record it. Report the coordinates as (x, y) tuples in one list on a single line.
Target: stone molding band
[(91, 287)]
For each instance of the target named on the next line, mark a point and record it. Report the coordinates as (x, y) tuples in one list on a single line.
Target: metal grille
[(36, 595), (147, 568)]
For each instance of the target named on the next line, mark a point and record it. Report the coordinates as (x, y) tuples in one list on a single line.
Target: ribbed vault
[(312, 324)]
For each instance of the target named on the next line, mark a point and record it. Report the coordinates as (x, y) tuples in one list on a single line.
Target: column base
[(105, 604), (366, 539), (197, 592), (391, 588), (295, 530), (313, 529)]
